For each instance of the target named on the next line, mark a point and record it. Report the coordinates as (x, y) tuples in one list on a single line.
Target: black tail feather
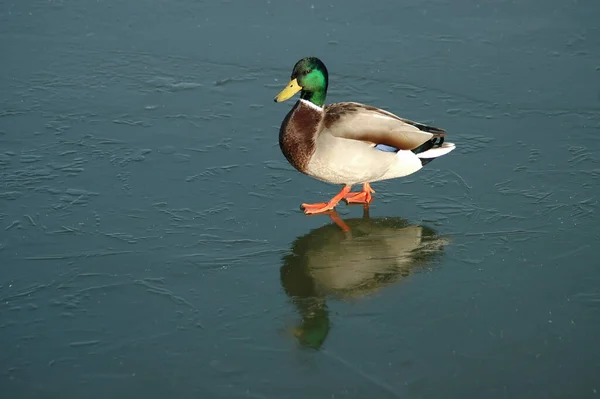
[(434, 142)]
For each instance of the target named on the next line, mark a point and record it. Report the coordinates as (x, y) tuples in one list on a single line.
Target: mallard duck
[(349, 143)]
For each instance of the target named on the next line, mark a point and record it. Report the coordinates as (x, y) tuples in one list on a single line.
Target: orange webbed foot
[(322, 207), (359, 198), (363, 197), (313, 209)]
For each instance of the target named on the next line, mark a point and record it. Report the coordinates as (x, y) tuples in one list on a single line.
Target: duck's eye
[(307, 71)]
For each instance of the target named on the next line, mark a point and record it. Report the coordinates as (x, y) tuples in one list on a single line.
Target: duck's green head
[(310, 77)]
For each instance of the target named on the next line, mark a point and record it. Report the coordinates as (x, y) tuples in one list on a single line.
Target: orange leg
[(362, 197), (321, 207)]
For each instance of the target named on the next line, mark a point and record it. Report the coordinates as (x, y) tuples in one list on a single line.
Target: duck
[(349, 143)]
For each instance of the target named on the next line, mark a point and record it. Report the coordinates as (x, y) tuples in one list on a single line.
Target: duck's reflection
[(348, 259)]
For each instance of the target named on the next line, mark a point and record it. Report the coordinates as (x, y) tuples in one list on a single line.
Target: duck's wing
[(376, 126)]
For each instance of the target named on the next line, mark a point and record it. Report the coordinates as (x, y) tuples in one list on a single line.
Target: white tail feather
[(437, 152)]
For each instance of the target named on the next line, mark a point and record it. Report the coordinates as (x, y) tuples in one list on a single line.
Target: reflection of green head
[(314, 329), (299, 286)]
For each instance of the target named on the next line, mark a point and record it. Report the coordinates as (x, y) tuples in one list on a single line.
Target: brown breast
[(297, 134)]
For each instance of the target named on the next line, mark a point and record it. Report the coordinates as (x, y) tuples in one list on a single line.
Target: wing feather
[(373, 125)]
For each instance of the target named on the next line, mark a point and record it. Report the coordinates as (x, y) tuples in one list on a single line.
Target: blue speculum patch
[(386, 148)]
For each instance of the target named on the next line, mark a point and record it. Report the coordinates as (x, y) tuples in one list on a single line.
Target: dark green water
[(151, 242)]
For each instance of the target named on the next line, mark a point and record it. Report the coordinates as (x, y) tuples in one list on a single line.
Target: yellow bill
[(291, 89)]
